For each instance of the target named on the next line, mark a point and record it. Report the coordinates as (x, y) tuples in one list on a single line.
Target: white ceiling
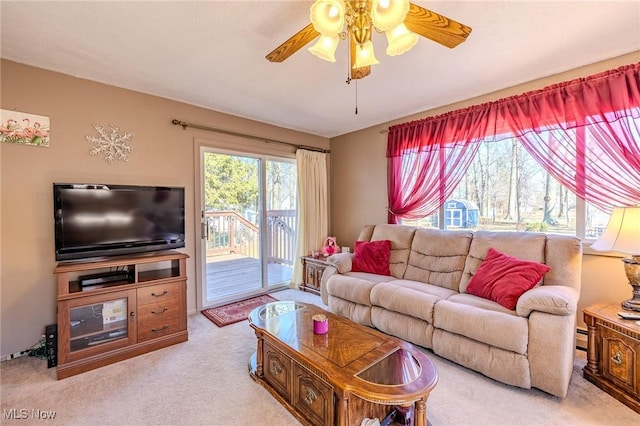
[(211, 54)]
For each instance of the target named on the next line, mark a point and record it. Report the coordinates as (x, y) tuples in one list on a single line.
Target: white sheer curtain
[(313, 211)]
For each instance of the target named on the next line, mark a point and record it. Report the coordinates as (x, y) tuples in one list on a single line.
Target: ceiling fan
[(355, 20)]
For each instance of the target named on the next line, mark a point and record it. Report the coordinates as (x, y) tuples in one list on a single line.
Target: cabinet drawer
[(148, 330), (277, 370), (620, 359), (158, 293), (158, 319), (312, 397)]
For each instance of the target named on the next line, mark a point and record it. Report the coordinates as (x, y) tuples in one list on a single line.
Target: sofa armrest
[(341, 261), (551, 299), (328, 272)]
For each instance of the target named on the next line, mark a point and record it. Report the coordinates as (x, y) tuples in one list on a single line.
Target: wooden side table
[(312, 269), (613, 354)]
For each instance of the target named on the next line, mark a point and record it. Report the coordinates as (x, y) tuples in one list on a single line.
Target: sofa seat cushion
[(407, 297), (355, 286), (503, 330), (479, 302)]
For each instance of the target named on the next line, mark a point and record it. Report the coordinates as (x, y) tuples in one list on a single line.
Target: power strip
[(15, 355)]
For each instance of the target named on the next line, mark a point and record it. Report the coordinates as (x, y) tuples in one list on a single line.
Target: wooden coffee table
[(339, 378)]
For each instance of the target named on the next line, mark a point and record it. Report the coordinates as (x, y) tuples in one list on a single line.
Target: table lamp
[(622, 235)]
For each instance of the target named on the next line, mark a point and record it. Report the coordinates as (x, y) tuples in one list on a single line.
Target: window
[(555, 160), (505, 189)]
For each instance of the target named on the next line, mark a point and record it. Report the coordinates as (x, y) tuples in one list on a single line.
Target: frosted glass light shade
[(400, 40), (622, 233), (325, 48), (327, 17), (388, 14), (365, 55)]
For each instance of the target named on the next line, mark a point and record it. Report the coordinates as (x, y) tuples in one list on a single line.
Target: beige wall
[(359, 185), (163, 154)]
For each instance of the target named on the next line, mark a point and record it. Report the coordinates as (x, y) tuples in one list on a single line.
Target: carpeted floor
[(205, 381), (235, 312)]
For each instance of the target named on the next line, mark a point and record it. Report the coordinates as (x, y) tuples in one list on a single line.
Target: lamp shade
[(365, 55), (327, 16), (622, 233), (400, 40), (388, 14), (325, 48)]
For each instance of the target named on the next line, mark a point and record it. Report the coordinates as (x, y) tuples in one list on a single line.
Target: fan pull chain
[(356, 97)]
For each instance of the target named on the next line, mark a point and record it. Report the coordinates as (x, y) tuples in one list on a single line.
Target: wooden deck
[(236, 274)]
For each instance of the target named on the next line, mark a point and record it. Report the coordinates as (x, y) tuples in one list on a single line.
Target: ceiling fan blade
[(436, 27), (356, 73), (295, 43)]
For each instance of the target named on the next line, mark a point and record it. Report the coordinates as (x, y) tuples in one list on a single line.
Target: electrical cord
[(38, 350)]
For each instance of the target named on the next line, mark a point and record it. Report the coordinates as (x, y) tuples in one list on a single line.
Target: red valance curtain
[(584, 132)]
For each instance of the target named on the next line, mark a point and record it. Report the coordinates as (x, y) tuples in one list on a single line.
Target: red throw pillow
[(504, 278), (372, 257)]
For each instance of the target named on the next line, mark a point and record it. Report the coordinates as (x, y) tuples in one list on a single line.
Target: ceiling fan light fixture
[(365, 55), (388, 14), (400, 40), (327, 17), (325, 48)]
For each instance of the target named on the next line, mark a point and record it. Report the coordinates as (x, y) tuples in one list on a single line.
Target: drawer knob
[(164, 293), (132, 314), (158, 330), (165, 309), (617, 358), (311, 396)]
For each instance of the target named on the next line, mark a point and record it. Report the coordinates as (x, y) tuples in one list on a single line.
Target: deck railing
[(229, 232)]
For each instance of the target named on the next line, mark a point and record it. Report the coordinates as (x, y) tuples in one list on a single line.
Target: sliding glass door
[(248, 222)]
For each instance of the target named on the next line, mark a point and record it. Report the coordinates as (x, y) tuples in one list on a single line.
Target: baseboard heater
[(581, 339), (104, 278)]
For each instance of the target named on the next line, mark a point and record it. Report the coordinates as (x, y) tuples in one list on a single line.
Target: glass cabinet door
[(98, 323)]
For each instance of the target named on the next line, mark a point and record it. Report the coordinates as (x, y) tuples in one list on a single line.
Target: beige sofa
[(424, 301)]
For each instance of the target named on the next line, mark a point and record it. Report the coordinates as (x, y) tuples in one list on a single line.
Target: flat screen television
[(94, 220)]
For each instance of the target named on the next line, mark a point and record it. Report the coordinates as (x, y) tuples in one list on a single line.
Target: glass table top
[(398, 368), (275, 309)]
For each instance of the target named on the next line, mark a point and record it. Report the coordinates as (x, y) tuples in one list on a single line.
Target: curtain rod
[(184, 125)]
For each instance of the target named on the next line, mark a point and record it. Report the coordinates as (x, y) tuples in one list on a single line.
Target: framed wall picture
[(24, 128)]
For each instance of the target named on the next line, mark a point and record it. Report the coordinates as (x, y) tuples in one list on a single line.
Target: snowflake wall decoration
[(112, 144)]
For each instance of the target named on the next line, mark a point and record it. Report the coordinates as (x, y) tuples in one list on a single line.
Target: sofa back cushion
[(522, 245), (400, 237), (563, 254), (438, 257)]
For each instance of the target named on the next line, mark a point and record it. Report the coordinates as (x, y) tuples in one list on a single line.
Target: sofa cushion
[(523, 245), (503, 330), (503, 365), (479, 302), (372, 257), (504, 278), (406, 327), (410, 298), (400, 237), (438, 257), (354, 286)]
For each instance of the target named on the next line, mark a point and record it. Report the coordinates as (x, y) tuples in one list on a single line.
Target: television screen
[(103, 220)]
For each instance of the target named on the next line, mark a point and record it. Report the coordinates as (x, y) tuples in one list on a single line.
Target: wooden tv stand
[(103, 323)]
